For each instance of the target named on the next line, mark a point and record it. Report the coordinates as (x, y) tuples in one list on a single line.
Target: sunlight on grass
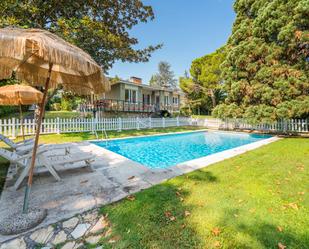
[(48, 114), (82, 136), (61, 114), (202, 116), (255, 200)]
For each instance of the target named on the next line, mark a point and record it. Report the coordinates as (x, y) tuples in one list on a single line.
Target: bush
[(293, 109), (5, 110), (260, 113), (227, 111), (56, 107), (165, 114), (185, 111), (66, 105)]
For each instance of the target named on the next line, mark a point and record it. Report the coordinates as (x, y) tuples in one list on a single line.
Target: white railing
[(280, 126), (12, 127)]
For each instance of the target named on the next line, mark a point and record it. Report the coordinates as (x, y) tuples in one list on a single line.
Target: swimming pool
[(163, 151)]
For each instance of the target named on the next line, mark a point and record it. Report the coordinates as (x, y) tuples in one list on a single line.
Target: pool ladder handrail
[(106, 136), (103, 132), (96, 134)]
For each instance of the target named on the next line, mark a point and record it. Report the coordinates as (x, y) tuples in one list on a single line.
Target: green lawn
[(61, 114), (255, 200), (48, 114), (202, 116), (78, 137)]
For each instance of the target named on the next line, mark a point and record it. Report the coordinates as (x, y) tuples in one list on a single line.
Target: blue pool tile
[(163, 151)]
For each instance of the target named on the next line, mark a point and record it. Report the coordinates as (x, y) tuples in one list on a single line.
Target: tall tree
[(194, 98), (203, 89), (206, 73), (266, 70), (165, 77), (153, 80), (98, 27)]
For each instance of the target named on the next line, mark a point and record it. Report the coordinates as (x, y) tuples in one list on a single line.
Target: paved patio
[(114, 177)]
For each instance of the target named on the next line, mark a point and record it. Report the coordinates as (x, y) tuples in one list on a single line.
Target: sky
[(188, 29)]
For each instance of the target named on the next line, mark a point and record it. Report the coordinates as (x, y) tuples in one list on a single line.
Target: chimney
[(136, 80)]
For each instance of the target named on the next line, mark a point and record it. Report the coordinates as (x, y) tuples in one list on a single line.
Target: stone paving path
[(114, 177), (84, 229)]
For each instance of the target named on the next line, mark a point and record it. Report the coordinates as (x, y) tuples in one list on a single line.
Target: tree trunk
[(213, 98)]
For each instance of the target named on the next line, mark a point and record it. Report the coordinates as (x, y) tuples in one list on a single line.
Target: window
[(134, 96), (130, 95), (127, 95), (166, 100), (146, 99), (175, 100)]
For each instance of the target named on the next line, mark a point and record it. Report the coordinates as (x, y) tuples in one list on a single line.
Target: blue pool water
[(167, 150)]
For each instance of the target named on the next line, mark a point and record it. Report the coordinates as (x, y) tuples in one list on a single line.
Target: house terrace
[(134, 96)]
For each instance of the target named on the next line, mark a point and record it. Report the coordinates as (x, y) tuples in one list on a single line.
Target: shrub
[(56, 107), (227, 111), (66, 105), (5, 110)]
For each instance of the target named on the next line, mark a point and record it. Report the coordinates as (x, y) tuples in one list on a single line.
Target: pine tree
[(165, 77), (266, 71)]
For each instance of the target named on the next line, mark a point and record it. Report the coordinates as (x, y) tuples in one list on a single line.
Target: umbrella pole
[(21, 122), (36, 141)]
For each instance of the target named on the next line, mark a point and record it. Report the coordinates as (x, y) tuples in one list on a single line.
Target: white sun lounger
[(45, 160), (25, 147), (21, 147)]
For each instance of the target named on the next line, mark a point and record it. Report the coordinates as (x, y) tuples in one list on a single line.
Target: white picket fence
[(12, 127), (280, 126)]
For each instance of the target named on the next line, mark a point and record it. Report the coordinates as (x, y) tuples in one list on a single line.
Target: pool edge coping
[(194, 164), (177, 132), (157, 176), (151, 135), (198, 163)]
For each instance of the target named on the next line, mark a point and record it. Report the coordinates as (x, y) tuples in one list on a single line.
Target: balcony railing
[(126, 106)]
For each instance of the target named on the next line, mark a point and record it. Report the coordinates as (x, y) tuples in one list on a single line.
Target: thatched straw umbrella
[(43, 59), (20, 95)]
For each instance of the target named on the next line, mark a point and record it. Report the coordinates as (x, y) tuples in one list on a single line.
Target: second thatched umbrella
[(20, 95), (43, 59)]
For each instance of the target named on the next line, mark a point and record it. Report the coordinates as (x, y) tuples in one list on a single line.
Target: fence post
[(92, 125), (58, 125), (177, 120), (137, 123), (150, 123), (119, 124), (205, 123), (163, 122), (13, 128)]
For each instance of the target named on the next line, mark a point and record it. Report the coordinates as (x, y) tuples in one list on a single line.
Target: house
[(134, 96)]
